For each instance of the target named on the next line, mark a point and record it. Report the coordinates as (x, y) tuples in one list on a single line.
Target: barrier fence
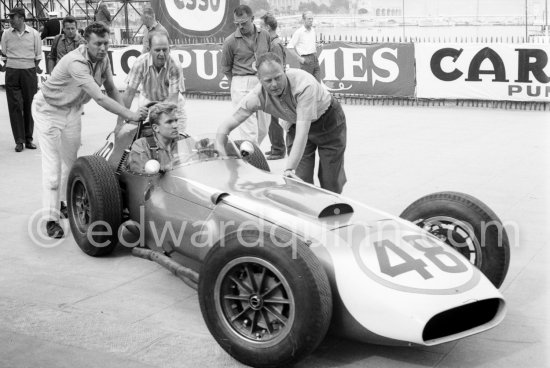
[(499, 75)]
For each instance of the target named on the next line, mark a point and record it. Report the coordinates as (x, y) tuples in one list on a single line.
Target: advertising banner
[(506, 72), (376, 69), (380, 69)]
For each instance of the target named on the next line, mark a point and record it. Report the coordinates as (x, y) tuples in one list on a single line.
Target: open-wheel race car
[(279, 263)]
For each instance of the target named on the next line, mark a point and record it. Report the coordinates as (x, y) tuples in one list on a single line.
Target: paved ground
[(61, 308)]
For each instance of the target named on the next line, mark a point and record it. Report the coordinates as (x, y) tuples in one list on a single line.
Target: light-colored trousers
[(256, 126), (180, 112), (59, 135)]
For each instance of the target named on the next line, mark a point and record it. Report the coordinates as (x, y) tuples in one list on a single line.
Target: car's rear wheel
[(264, 306), (469, 226), (94, 205), (256, 159)]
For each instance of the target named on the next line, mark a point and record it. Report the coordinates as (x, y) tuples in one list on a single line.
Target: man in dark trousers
[(275, 132), (317, 121), (22, 48)]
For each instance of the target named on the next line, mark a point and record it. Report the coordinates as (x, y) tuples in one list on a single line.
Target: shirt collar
[(26, 29), (75, 39), (153, 26)]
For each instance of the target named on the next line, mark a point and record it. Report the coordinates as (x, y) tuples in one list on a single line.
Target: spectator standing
[(304, 47), (102, 14), (160, 75), (276, 131), (52, 27), (240, 53), (57, 109), (317, 120), (64, 43), (22, 48), (151, 25)]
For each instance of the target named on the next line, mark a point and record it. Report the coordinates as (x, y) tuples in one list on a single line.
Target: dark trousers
[(276, 137), (328, 136), (21, 86), (311, 65)]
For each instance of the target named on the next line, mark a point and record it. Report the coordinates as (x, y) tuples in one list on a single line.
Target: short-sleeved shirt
[(303, 99), (303, 41), (156, 85), (239, 57), (157, 27), (23, 49), (141, 153), (64, 87), (61, 46)]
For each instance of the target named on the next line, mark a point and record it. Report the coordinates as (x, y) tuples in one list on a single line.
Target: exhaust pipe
[(187, 275)]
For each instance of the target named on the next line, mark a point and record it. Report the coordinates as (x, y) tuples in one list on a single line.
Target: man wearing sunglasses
[(240, 53)]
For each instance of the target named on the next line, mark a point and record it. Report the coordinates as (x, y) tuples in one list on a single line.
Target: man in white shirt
[(303, 46)]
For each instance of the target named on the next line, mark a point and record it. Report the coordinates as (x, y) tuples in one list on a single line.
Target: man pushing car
[(57, 110), (317, 121)]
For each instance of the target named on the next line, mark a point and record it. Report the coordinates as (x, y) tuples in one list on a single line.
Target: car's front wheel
[(94, 205), (267, 306), (469, 226)]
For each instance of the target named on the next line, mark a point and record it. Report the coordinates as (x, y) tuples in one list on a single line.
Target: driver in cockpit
[(162, 144)]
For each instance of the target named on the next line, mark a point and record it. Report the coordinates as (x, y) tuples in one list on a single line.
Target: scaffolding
[(82, 10)]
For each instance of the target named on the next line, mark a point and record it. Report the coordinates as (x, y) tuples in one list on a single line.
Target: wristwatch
[(292, 171)]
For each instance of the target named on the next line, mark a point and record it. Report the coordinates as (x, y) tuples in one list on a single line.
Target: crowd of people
[(290, 106)]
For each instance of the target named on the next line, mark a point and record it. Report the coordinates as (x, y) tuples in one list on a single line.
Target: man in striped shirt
[(160, 76)]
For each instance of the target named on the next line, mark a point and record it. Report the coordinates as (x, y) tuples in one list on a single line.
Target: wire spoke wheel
[(467, 225), (81, 206), (455, 233), (254, 300)]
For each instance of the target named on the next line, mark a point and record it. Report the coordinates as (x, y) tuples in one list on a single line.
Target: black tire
[(257, 159), (93, 194), (469, 226), (243, 321)]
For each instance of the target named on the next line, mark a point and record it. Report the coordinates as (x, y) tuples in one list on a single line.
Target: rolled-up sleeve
[(227, 58), (306, 108), (135, 77)]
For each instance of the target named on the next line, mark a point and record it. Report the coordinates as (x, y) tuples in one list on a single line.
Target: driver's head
[(164, 122)]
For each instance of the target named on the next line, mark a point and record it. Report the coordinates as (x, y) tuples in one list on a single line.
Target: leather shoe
[(54, 230), (30, 145), (19, 147), (267, 153), (274, 157)]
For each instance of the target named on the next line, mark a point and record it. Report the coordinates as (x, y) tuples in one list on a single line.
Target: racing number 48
[(434, 253)]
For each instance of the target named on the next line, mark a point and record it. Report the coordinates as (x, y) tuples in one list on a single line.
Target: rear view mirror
[(246, 148), (152, 167)]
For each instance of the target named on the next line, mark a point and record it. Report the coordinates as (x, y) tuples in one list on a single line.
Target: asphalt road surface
[(61, 308)]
